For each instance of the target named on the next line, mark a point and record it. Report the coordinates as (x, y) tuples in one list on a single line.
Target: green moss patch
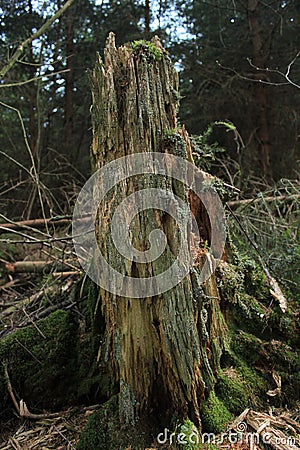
[(214, 414), (233, 392), (41, 362), (103, 431)]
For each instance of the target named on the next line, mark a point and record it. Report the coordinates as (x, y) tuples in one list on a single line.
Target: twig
[(31, 38), (35, 223), (36, 266), (55, 289), (30, 80), (9, 284), (23, 411), (33, 172), (34, 324), (10, 389), (247, 201), (64, 437), (285, 75)]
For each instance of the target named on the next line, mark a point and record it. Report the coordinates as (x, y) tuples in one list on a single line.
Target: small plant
[(204, 153), (190, 436), (148, 48)]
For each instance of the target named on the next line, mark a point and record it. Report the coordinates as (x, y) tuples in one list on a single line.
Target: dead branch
[(34, 223), (22, 409), (10, 389), (26, 414), (66, 274), (31, 38), (52, 290), (236, 203), (35, 267)]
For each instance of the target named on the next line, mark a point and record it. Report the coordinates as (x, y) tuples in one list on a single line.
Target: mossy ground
[(41, 362), (261, 338), (214, 414), (232, 390), (103, 431), (53, 363)]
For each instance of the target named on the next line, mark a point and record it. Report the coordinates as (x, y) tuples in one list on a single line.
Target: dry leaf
[(277, 294), (277, 391)]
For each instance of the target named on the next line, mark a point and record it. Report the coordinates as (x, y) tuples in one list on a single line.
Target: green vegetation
[(41, 362), (174, 143), (147, 48), (205, 152), (232, 391), (103, 431), (214, 414)]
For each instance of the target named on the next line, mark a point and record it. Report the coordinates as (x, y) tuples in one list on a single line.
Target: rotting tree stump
[(161, 352)]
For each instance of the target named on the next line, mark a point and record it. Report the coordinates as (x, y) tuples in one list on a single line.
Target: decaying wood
[(277, 391), (21, 408), (164, 350), (10, 389), (277, 292), (33, 224)]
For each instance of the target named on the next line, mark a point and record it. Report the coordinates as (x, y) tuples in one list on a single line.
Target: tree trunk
[(260, 89), (69, 83), (162, 352), (147, 19)]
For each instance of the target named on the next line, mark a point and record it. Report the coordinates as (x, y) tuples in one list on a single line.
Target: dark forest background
[(237, 62)]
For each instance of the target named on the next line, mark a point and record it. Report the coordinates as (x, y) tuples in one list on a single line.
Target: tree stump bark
[(161, 352)]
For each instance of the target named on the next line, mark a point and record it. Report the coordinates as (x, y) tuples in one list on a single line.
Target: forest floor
[(26, 298), (63, 433)]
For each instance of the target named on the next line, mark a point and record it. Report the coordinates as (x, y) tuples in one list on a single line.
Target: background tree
[(218, 81), (55, 108)]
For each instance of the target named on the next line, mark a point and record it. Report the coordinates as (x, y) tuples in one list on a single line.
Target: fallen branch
[(26, 414), (53, 290), (34, 223), (35, 267), (10, 389), (50, 433), (66, 274), (248, 201), (9, 284), (22, 408)]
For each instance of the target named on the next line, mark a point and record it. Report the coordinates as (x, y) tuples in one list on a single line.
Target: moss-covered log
[(161, 352)]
